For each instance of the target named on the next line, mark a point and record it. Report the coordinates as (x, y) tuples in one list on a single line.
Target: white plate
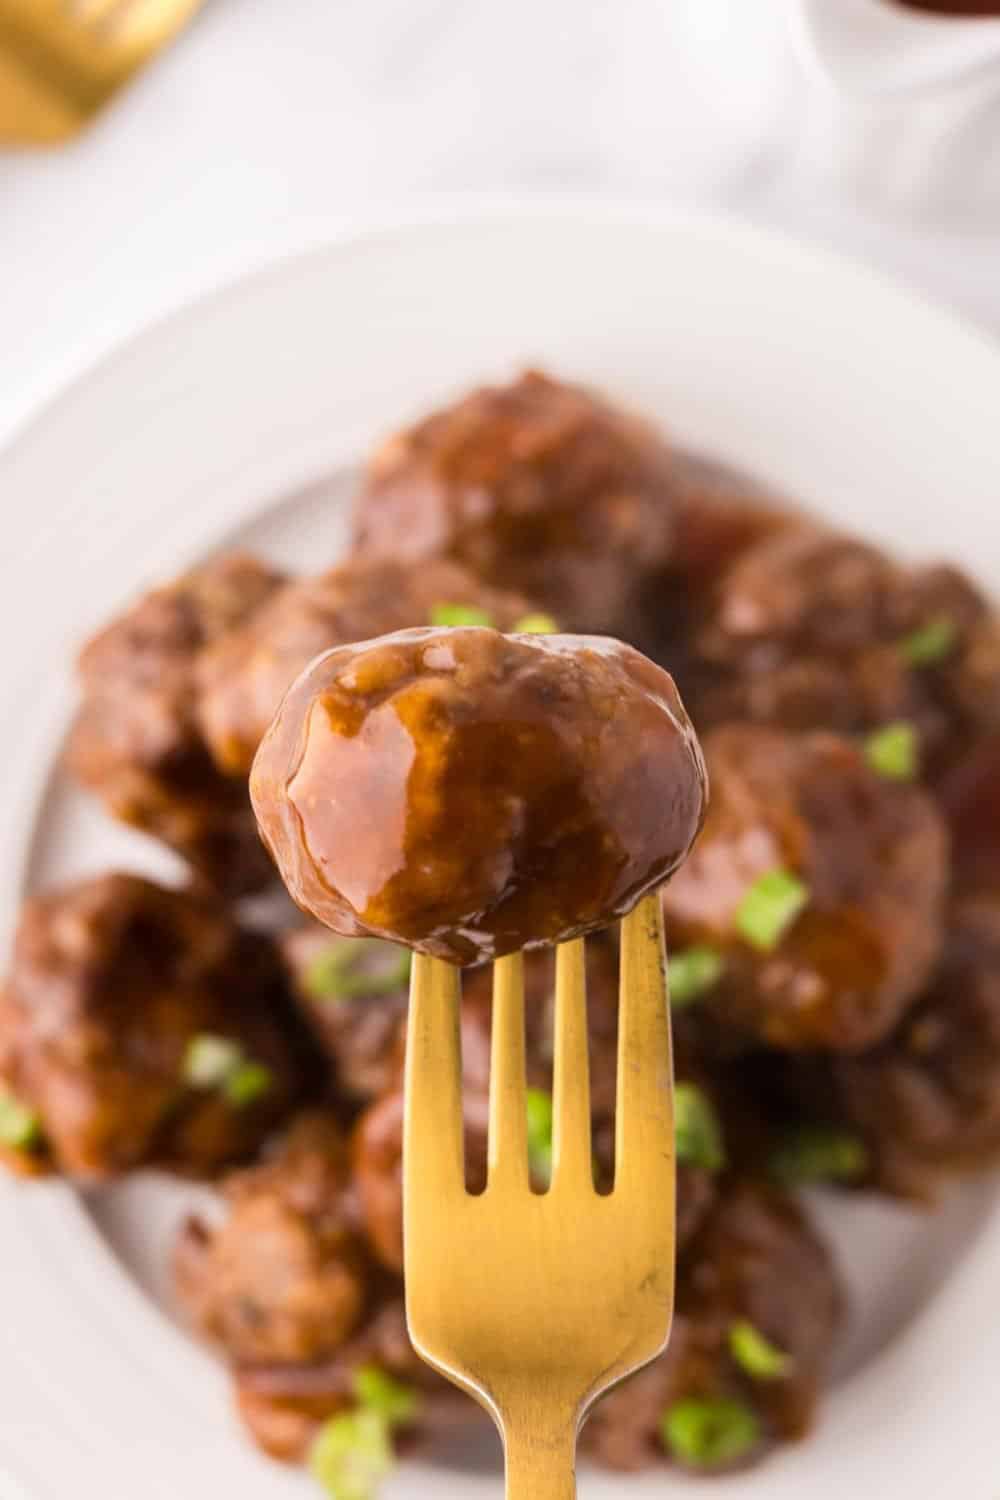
[(820, 377)]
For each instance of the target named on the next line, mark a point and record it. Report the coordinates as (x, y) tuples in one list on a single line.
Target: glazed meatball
[(818, 885), (537, 486), (284, 1406), (811, 629), (758, 1304), (136, 741), (353, 992), (926, 1103), (378, 1137), (284, 1278), (139, 1026), (469, 793), (243, 677)]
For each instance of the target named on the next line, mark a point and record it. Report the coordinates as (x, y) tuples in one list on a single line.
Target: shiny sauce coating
[(469, 793)]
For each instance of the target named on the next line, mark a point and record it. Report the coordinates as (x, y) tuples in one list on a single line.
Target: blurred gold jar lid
[(62, 60)]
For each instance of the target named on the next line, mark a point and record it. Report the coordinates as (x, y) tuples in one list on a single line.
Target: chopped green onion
[(19, 1126), (218, 1062), (538, 624), (894, 752), (459, 614), (755, 1354), (709, 1433), (931, 643), (248, 1082), (816, 1153), (539, 1105), (692, 972), (352, 1454), (396, 1403), (345, 970), (210, 1060), (770, 907), (697, 1131)]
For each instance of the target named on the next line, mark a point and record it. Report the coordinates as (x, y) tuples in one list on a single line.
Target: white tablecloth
[(272, 120)]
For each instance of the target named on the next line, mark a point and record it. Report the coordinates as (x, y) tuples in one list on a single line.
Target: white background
[(271, 121)]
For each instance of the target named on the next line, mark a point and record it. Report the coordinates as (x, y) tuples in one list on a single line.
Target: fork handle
[(540, 1458)]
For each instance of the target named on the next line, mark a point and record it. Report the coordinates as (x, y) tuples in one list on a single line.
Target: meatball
[(138, 1026), (353, 992), (818, 885), (284, 1278), (244, 675), (536, 485), (469, 793), (136, 741), (811, 629), (284, 1406), (758, 1305), (926, 1103), (378, 1137)]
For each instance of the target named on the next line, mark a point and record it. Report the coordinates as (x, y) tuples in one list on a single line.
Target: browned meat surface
[(136, 741), (926, 1103), (811, 629), (353, 992), (970, 799), (284, 1406), (368, 788), (718, 1396), (820, 886), (535, 485), (243, 676), (284, 1278), (112, 983)]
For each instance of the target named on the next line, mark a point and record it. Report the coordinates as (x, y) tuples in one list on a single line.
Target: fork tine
[(432, 1136), (571, 1151), (644, 1105), (508, 1138)]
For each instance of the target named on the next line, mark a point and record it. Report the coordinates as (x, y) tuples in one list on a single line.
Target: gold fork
[(536, 1303), (61, 60)]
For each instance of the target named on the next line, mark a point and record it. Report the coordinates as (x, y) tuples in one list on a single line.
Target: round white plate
[(821, 378)]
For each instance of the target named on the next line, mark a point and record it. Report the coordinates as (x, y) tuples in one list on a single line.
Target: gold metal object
[(61, 60), (536, 1303)]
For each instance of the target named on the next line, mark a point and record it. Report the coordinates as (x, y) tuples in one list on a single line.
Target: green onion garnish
[(247, 1082), (931, 643), (390, 1399), (770, 907), (816, 1153), (357, 966), (709, 1433), (352, 1454), (459, 614), (210, 1060), (894, 752), (755, 1354), (692, 972), (537, 624), (218, 1062), (20, 1127), (697, 1131), (539, 1105)]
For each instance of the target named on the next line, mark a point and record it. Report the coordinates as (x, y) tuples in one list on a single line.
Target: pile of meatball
[(834, 935)]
